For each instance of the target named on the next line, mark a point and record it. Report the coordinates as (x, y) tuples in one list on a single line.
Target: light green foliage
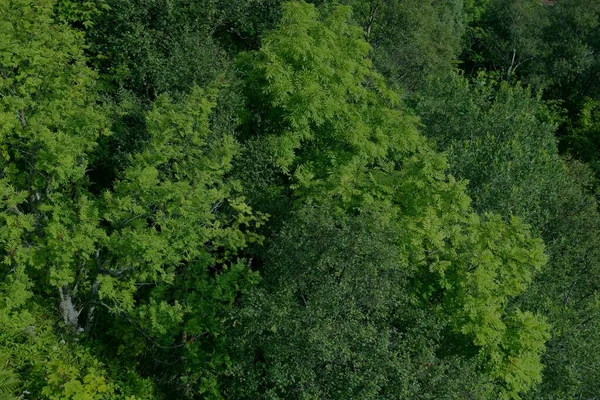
[(327, 115), (155, 255), (80, 12), (49, 123), (9, 382), (330, 125), (48, 222), (163, 209), (474, 9), (64, 382), (174, 218), (52, 365), (478, 272), (470, 270)]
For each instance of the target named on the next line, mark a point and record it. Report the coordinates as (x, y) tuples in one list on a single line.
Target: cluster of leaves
[(503, 141), (156, 251), (357, 166), (552, 46), (290, 200)]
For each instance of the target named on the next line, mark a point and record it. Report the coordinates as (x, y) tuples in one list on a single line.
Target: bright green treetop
[(154, 254), (337, 137)]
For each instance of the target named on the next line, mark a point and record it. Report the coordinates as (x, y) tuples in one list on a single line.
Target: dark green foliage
[(335, 317), (410, 39), (503, 141), (498, 138), (507, 36), (413, 39), (334, 135), (241, 23), (583, 138), (215, 199), (157, 46), (552, 47), (568, 290), (573, 64)]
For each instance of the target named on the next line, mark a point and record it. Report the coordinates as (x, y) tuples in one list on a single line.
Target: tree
[(155, 253), (551, 46), (176, 226), (154, 47), (498, 137), (502, 140), (313, 99), (335, 317), (583, 139), (568, 290), (49, 124), (410, 39), (144, 49), (334, 138), (507, 37), (572, 66)]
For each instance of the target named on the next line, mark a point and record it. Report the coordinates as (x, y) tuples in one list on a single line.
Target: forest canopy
[(265, 199)]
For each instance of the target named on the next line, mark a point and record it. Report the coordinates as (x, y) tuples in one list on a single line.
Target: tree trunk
[(67, 309)]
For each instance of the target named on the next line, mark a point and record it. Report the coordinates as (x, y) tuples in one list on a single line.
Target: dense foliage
[(265, 199)]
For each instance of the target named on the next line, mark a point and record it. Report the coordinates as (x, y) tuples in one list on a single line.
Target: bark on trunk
[(67, 309)]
